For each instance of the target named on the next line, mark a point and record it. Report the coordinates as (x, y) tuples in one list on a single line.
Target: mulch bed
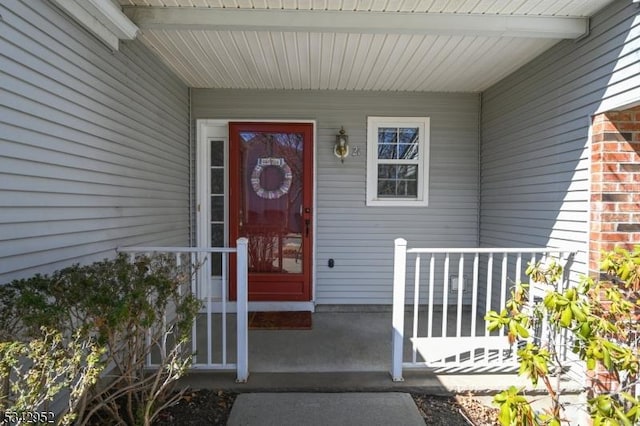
[(210, 407)]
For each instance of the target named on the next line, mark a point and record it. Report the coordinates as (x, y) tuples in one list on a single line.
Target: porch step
[(375, 381), (310, 409)]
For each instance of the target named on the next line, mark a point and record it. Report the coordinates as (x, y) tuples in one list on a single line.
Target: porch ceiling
[(397, 45)]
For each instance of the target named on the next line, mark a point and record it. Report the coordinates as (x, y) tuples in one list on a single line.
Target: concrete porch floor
[(347, 349), (338, 342), (342, 339)]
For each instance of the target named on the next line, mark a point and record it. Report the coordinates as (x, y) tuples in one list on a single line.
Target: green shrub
[(600, 319), (37, 371), (131, 310)]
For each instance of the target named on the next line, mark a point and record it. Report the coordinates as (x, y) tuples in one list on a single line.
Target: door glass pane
[(271, 200), (217, 240), (217, 180), (217, 208), (217, 153), (217, 193)]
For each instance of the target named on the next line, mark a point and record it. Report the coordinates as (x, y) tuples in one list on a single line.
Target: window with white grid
[(397, 161)]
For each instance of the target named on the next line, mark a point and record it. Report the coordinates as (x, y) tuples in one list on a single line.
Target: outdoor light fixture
[(341, 148)]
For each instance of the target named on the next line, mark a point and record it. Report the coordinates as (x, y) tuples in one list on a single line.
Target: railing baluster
[(503, 285), (564, 259), (132, 259), (194, 289), (459, 307), (533, 289), (562, 334), (432, 267), (224, 312), (164, 335), (518, 278), (416, 301), (179, 268), (225, 296), (474, 301), (445, 295), (206, 284), (489, 301)]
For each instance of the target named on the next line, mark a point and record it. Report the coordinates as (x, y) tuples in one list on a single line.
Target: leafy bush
[(37, 371), (600, 319), (132, 310)]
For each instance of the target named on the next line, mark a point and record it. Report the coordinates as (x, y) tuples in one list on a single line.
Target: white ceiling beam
[(112, 17), (103, 18), (170, 18)]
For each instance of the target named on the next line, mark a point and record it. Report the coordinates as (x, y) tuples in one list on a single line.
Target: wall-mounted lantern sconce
[(341, 148)]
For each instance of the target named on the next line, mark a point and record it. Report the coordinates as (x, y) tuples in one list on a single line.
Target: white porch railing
[(448, 330), (201, 285)]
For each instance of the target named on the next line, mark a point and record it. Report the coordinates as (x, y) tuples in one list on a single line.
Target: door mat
[(280, 320)]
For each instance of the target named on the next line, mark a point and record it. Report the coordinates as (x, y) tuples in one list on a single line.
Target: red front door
[(270, 203)]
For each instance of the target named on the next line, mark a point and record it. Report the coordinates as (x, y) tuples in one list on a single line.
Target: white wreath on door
[(257, 173)]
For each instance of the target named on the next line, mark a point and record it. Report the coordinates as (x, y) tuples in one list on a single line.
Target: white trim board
[(104, 19), (216, 306), (365, 22)]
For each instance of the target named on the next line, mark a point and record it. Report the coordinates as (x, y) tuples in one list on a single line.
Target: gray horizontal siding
[(535, 134), (360, 238), (93, 144)]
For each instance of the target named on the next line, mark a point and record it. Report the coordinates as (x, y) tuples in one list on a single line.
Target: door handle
[(307, 225)]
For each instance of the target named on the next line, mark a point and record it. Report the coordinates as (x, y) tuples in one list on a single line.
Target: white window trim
[(373, 123)]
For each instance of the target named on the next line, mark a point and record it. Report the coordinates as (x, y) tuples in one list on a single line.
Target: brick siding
[(615, 183)]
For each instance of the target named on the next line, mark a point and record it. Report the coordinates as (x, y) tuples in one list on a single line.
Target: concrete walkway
[(335, 409)]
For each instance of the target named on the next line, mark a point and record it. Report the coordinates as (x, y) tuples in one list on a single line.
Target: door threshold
[(216, 306), (353, 308)]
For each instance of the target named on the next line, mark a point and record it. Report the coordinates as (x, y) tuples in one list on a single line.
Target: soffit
[(459, 46)]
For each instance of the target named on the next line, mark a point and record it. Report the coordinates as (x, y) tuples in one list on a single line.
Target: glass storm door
[(270, 202)]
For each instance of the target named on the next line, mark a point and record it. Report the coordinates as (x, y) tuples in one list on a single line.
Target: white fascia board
[(102, 18), (171, 18), (112, 17)]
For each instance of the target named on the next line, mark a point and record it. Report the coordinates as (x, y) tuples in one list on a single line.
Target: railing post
[(242, 311), (399, 275)]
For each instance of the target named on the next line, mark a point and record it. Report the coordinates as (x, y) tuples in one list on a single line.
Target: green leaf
[(523, 332), (566, 317), (606, 358), (499, 398), (577, 312), (505, 415), (585, 330), (603, 404), (513, 330), (623, 418)]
